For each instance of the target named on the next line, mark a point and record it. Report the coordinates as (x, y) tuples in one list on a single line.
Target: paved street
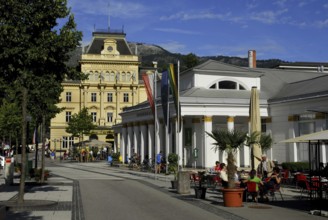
[(84, 191)]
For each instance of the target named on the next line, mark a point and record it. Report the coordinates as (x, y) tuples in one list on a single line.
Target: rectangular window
[(93, 97), (94, 116), (68, 96), (109, 117), (109, 97), (68, 142), (68, 116), (126, 97)]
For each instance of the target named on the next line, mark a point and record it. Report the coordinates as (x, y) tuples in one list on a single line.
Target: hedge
[(295, 166)]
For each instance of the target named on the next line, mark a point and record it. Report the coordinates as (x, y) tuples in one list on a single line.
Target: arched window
[(123, 77), (90, 77), (128, 76), (96, 76), (227, 84), (214, 86), (107, 77), (112, 77)]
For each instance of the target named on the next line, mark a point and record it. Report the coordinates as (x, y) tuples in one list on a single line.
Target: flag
[(149, 81), (165, 95), (173, 78)]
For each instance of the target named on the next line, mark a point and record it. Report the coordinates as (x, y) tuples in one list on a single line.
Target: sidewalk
[(61, 191)]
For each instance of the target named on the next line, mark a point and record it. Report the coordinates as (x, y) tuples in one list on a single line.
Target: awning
[(317, 136)]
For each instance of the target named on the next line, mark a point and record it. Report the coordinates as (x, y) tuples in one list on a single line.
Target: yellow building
[(113, 84)]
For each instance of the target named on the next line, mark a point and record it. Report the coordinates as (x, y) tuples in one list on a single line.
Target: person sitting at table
[(254, 178), (217, 167), (271, 182), (223, 175)]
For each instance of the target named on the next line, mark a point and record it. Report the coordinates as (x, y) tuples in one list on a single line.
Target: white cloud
[(114, 8), (280, 3), (178, 31), (321, 24), (268, 17), (194, 16), (325, 6)]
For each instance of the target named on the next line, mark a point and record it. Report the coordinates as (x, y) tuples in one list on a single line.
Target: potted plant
[(173, 168), (230, 141)]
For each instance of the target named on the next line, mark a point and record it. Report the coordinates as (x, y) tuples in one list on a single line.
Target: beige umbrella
[(255, 126)]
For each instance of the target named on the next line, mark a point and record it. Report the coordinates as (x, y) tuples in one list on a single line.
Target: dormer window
[(227, 84)]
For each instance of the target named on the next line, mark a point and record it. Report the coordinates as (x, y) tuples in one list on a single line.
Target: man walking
[(158, 162), (265, 168)]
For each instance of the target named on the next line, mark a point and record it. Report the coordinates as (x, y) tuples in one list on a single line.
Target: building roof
[(224, 69), (274, 80), (97, 44), (303, 89)]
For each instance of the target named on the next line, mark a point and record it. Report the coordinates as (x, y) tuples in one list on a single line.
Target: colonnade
[(139, 138)]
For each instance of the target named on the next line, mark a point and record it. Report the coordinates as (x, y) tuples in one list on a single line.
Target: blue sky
[(290, 30)]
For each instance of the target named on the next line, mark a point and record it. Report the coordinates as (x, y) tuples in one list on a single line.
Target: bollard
[(183, 182)]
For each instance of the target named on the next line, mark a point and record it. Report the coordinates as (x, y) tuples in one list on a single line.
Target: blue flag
[(165, 95)]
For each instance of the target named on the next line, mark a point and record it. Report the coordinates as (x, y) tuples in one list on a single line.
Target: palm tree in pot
[(230, 141)]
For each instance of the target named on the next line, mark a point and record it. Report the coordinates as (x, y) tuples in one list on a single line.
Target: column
[(179, 146), (102, 117), (292, 133), (118, 101), (143, 140), (136, 138), (320, 124), (151, 140), (123, 143), (85, 94), (197, 145), (268, 125), (160, 138), (129, 140), (210, 155)]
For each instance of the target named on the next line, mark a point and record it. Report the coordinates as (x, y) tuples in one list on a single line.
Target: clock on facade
[(110, 48)]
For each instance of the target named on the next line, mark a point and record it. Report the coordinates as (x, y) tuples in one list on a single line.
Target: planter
[(174, 184), (233, 197), (200, 193)]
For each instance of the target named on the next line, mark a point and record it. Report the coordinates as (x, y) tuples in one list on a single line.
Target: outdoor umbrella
[(255, 126)]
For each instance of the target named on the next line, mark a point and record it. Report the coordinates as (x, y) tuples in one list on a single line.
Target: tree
[(80, 124), (33, 50), (230, 141), (190, 60), (265, 142)]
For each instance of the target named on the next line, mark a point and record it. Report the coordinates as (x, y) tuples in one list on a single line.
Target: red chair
[(276, 189), (300, 178), (252, 189), (309, 189), (285, 177)]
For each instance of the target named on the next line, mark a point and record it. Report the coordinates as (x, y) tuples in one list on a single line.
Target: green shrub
[(295, 166), (173, 164), (116, 156)]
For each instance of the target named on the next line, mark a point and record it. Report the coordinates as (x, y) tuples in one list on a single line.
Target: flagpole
[(155, 120), (179, 148), (167, 126)]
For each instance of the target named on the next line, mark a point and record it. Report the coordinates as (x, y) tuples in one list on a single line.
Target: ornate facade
[(112, 85)]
